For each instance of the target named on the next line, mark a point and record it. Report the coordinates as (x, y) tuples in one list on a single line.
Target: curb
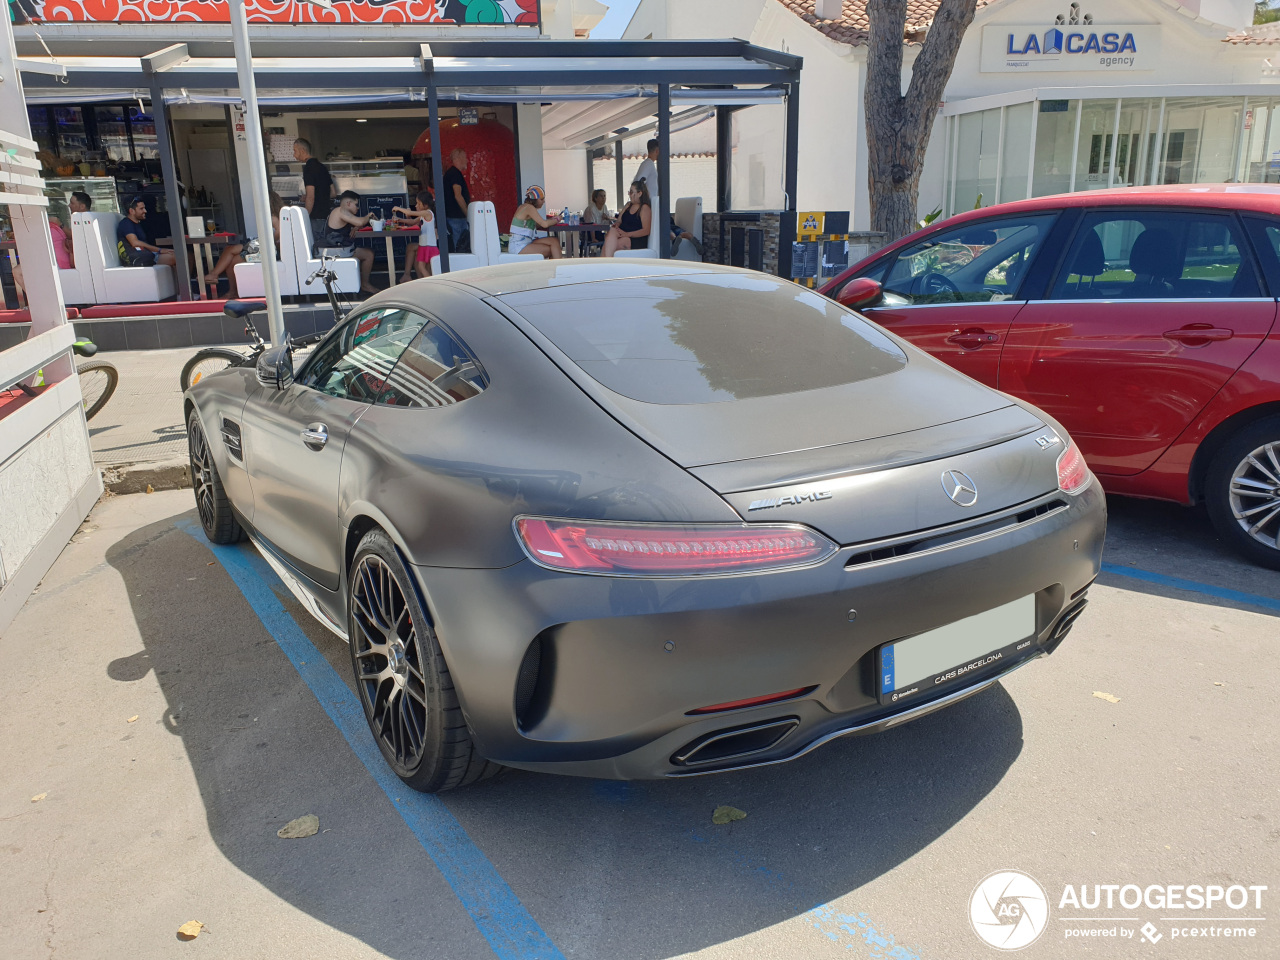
[(122, 478)]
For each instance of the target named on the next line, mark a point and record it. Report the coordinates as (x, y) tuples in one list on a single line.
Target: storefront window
[(1017, 139), (1093, 158), (1055, 129), (1201, 140), (38, 117), (977, 153), (69, 134)]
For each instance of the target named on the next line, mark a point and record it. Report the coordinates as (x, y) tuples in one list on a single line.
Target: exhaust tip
[(734, 743)]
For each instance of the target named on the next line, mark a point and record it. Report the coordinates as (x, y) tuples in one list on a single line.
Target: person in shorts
[(135, 250), (337, 239), (428, 244)]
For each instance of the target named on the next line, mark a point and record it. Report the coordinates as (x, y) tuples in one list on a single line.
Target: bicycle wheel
[(98, 381), (208, 361)]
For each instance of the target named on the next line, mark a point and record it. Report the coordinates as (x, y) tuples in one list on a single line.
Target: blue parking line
[(494, 908), (1222, 593)]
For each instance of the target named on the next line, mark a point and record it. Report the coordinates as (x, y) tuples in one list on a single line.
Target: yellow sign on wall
[(810, 223)]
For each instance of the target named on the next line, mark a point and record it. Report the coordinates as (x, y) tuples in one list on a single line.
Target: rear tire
[(98, 381), (207, 361), (1242, 492), (405, 687), (212, 503)]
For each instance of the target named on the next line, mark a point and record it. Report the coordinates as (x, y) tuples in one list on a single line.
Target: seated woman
[(427, 245), (525, 223), (337, 239), (233, 253), (631, 232)]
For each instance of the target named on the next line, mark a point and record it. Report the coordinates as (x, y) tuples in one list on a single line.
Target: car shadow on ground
[(1178, 542), (608, 869)]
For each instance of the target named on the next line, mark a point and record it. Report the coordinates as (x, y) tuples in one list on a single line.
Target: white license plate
[(916, 666)]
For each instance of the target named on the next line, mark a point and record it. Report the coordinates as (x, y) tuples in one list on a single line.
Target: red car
[(1143, 319)]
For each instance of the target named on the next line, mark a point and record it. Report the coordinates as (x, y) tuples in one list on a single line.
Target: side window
[(978, 262), (1156, 255), (354, 364), (1266, 243), (434, 371)]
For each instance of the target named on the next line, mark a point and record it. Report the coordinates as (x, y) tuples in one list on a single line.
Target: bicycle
[(98, 379), (212, 360)]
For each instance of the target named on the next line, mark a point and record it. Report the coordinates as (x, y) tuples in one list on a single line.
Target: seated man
[(337, 239), (133, 247), (678, 233)]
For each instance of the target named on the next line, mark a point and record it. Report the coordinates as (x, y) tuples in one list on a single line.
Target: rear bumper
[(622, 662)]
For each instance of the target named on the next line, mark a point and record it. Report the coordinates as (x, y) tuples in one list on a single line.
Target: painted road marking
[(1194, 586), (494, 908)]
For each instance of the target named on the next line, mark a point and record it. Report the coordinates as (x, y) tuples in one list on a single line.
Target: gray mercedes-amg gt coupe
[(644, 518)]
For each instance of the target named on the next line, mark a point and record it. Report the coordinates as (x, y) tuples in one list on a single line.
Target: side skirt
[(302, 591)]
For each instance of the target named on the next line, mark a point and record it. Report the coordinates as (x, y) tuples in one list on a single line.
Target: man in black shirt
[(456, 197), (317, 183)]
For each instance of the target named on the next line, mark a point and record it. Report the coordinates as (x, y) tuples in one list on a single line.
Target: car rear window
[(712, 338)]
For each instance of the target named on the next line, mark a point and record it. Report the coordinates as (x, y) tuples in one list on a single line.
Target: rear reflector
[(669, 549), (752, 701), (1073, 473)]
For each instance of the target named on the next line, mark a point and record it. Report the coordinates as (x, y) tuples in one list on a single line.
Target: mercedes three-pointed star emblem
[(960, 488)]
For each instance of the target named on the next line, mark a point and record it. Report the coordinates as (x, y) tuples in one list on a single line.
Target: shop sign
[(469, 116), (1075, 45), (459, 12)]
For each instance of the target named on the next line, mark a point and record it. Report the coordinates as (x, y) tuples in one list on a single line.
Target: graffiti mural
[(285, 11)]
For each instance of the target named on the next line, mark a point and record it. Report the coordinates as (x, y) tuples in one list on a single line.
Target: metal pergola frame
[(517, 71)]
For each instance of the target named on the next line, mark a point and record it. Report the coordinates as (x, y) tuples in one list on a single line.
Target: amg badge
[(793, 499)]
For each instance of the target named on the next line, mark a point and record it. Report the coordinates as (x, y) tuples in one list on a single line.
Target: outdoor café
[(386, 118)]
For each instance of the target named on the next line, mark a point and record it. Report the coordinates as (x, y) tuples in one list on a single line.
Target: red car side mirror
[(862, 292)]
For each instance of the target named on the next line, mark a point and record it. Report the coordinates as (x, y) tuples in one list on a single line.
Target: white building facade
[(1047, 96)]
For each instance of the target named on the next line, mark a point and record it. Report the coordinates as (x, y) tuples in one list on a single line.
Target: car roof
[(539, 274), (1262, 197)]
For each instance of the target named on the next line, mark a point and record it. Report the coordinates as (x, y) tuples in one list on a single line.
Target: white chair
[(487, 224), (651, 251), (77, 282), (477, 227), (688, 219), (249, 281), (347, 269), (112, 282)]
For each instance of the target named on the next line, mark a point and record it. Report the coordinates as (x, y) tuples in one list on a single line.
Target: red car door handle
[(971, 339), (1199, 335)]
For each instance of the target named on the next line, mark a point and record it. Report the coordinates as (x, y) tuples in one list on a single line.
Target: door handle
[(1197, 335), (315, 436), (972, 339)]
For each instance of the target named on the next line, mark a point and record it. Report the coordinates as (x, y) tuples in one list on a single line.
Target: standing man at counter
[(456, 197), (317, 183)]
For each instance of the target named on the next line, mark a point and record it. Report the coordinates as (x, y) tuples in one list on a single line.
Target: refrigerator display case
[(383, 178), (102, 190)]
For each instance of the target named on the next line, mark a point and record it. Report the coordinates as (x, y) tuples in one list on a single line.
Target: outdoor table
[(580, 229), (367, 233), (204, 248)]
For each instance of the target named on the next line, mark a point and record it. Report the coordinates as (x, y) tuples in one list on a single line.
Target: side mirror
[(859, 293), (275, 367)]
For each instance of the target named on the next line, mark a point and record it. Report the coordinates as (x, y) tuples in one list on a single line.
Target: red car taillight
[(1073, 473), (669, 549)]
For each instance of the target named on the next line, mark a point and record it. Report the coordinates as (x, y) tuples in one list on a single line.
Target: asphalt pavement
[(169, 708)]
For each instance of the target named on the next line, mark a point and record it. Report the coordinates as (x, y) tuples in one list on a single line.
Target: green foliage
[(1264, 12)]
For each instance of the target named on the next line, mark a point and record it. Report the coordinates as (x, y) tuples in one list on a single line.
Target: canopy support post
[(662, 225)]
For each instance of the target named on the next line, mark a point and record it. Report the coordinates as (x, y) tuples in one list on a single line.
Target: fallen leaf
[(302, 827), (38, 797), (151, 489), (190, 930), (726, 814), (1106, 696), (132, 719), (1218, 683), (210, 563)]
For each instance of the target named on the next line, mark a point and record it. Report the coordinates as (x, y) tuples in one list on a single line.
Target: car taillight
[(1073, 473), (669, 549)]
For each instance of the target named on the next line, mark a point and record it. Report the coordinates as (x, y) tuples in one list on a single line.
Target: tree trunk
[(898, 126)]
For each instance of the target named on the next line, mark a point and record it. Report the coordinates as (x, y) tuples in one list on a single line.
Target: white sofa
[(77, 282), (475, 226), (688, 219), (347, 269), (112, 282), (651, 251), (249, 282)]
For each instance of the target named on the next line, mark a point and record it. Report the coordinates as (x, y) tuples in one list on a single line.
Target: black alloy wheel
[(1242, 492), (216, 516), (404, 684)]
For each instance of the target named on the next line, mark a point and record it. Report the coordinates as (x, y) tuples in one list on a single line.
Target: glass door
[(113, 133), (69, 133)]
